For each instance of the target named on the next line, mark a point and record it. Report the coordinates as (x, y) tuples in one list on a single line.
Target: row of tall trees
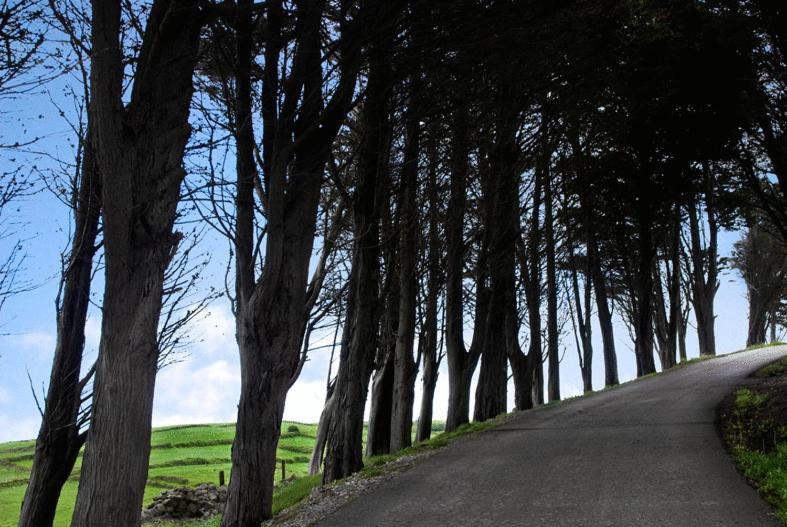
[(467, 182)]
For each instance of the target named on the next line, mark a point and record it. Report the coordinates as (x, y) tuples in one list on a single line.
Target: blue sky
[(205, 386)]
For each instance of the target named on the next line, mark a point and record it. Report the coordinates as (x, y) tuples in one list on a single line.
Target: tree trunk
[(139, 150), (430, 373), (660, 322), (315, 463), (489, 343), (704, 275), (521, 364), (584, 344), (587, 340), (271, 312), (489, 394), (428, 339), (773, 323), (359, 341), (500, 188), (604, 314), (675, 313), (59, 440), (529, 373), (461, 363), (378, 439), (643, 345), (379, 429), (682, 327), (405, 368), (553, 351), (758, 316)]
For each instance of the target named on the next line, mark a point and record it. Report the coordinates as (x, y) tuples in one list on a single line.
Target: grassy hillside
[(180, 456)]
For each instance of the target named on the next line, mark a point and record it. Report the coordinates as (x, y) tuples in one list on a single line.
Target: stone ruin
[(202, 501)]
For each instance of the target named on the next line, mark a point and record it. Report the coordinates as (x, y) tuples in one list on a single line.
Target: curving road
[(645, 454)]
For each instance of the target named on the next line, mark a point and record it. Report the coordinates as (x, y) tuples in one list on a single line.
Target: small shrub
[(292, 429)]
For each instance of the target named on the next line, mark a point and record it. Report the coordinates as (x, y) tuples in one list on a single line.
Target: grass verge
[(752, 423), (374, 466)]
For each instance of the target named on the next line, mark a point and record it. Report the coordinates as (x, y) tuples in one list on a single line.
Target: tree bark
[(660, 322), (461, 363), (772, 323), (674, 289), (315, 463), (378, 439), (59, 439), (488, 342), (429, 379), (553, 351), (643, 345), (757, 321), (271, 311), (531, 273), (139, 149), (359, 341), (604, 315), (428, 339), (405, 368), (704, 266), (683, 323), (584, 343), (501, 230)]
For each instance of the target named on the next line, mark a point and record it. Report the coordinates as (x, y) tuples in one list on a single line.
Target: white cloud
[(14, 428), (205, 387), (187, 393), (305, 401), (42, 343)]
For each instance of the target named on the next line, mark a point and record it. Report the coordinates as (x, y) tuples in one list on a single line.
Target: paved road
[(645, 454)]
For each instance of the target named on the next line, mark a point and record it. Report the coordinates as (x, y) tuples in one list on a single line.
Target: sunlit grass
[(180, 456)]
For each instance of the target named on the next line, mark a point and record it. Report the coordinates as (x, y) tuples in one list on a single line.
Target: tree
[(553, 379), (428, 339), (760, 259), (344, 442), (139, 149), (405, 367), (271, 309), (461, 361), (62, 432), (704, 264)]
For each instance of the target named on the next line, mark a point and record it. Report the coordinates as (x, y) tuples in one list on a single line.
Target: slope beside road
[(644, 454)]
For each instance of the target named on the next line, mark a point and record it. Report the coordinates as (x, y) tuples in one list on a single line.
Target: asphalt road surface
[(644, 454)]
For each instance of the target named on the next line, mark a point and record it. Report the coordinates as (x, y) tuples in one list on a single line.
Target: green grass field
[(185, 456), (181, 456)]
